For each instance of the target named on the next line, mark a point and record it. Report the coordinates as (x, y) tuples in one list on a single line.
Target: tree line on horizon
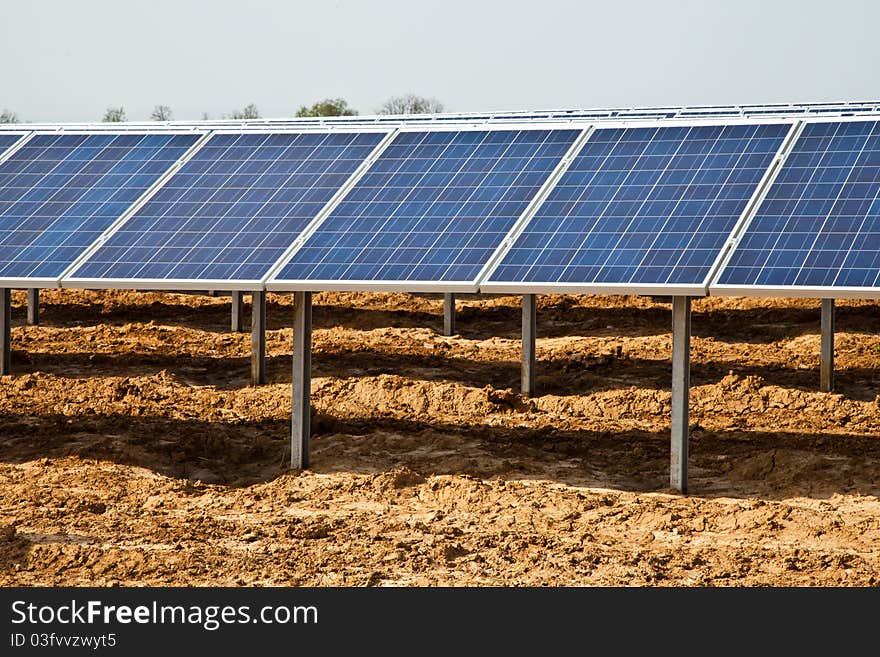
[(405, 104)]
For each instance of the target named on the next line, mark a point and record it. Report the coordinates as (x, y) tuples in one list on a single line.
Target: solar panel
[(231, 211), (60, 192), (818, 227), (7, 141), (431, 209), (640, 209)]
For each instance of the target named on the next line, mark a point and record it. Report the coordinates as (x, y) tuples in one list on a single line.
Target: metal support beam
[(5, 331), (301, 418), (681, 383), (529, 325), (258, 338), (33, 308), (826, 362), (237, 314), (449, 313)]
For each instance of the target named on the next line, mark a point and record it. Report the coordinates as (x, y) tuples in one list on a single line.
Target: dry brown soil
[(134, 451)]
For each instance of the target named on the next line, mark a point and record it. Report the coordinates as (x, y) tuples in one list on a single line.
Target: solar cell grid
[(232, 209), (433, 207), (642, 206), (819, 223), (60, 192)]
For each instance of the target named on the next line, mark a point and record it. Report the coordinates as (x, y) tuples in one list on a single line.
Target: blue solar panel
[(819, 224), (60, 192), (643, 206), (233, 209), (433, 207), (6, 141)]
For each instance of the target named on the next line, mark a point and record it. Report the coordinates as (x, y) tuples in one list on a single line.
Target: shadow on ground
[(754, 325), (559, 376), (727, 464)]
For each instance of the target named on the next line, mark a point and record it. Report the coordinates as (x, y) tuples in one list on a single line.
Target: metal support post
[(258, 338), (529, 324), (301, 416), (5, 331), (449, 314), (237, 314), (33, 306), (681, 382), (826, 364)]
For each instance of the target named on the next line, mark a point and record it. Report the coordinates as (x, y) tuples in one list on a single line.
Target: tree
[(114, 115), (248, 112), (8, 116), (161, 113), (327, 107), (411, 104)]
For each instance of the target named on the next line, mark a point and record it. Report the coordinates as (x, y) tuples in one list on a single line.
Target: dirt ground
[(134, 451)]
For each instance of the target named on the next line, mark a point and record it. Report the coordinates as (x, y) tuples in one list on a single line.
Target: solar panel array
[(433, 207), (819, 225), (650, 207), (850, 108), (60, 192), (231, 210), (642, 207)]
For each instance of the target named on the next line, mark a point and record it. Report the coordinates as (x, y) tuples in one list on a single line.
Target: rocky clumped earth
[(134, 451)]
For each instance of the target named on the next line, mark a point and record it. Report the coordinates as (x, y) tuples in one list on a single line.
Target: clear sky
[(67, 60)]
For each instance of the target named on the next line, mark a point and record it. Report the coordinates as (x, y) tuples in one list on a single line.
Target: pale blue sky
[(67, 60)]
